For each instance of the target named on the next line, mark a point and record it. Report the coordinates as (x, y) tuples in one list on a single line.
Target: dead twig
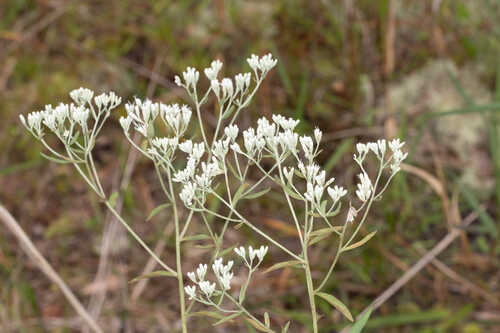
[(415, 269), (45, 267)]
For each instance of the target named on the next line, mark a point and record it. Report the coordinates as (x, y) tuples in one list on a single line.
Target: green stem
[(310, 290), (138, 239), (182, 300)]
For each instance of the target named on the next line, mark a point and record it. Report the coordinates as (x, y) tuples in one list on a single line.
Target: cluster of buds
[(223, 275), (142, 114), (64, 119), (250, 255)]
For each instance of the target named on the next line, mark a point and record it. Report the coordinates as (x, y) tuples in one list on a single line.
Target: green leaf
[(239, 193), (196, 238), (283, 264), (226, 251), (211, 314), (361, 322), (361, 242), (257, 194), (337, 304), (285, 328), (57, 160), (257, 325), (228, 318), (326, 231), (157, 210), (112, 199), (152, 275)]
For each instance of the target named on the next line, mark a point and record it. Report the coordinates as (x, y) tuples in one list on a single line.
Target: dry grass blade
[(46, 268), (415, 269)]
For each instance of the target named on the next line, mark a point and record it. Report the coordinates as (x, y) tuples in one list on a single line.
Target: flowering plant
[(218, 167)]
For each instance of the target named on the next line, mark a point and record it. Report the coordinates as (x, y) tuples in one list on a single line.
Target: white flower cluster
[(259, 253), (227, 91), (379, 148), (223, 275), (142, 114), (64, 119)]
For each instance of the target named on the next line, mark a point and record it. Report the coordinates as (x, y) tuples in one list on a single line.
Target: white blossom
[(351, 214), (207, 287), (336, 193), (201, 271), (190, 291), (212, 71), (242, 82), (364, 187), (231, 132), (227, 88), (191, 77), (318, 135), (186, 146), (81, 95), (187, 194)]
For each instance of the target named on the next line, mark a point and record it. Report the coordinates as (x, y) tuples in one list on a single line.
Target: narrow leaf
[(57, 160), (196, 238), (361, 322), (152, 275), (112, 199), (257, 325), (210, 314), (157, 210), (282, 265), (361, 242), (286, 327), (257, 194), (239, 193), (228, 318), (337, 304)]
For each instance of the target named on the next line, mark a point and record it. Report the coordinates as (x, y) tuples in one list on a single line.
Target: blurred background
[(427, 71)]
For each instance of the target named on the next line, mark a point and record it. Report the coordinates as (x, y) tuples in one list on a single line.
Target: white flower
[(351, 214), (266, 63), (373, 146), (236, 147), (262, 252), (231, 131), (364, 187), (190, 291), (251, 254), (191, 77), (336, 193), (186, 146), (34, 123), (241, 252), (242, 82), (198, 150), (318, 135), (221, 148), (215, 86), (107, 101), (80, 115), (207, 287), (286, 124), (201, 271), (192, 276), (381, 146), (307, 146), (396, 145), (227, 88), (253, 61), (320, 178), (187, 194), (178, 81), (213, 70), (125, 122), (81, 95)]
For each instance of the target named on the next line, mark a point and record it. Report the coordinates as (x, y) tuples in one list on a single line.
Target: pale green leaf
[(157, 210), (152, 275), (361, 242), (337, 304), (283, 264)]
